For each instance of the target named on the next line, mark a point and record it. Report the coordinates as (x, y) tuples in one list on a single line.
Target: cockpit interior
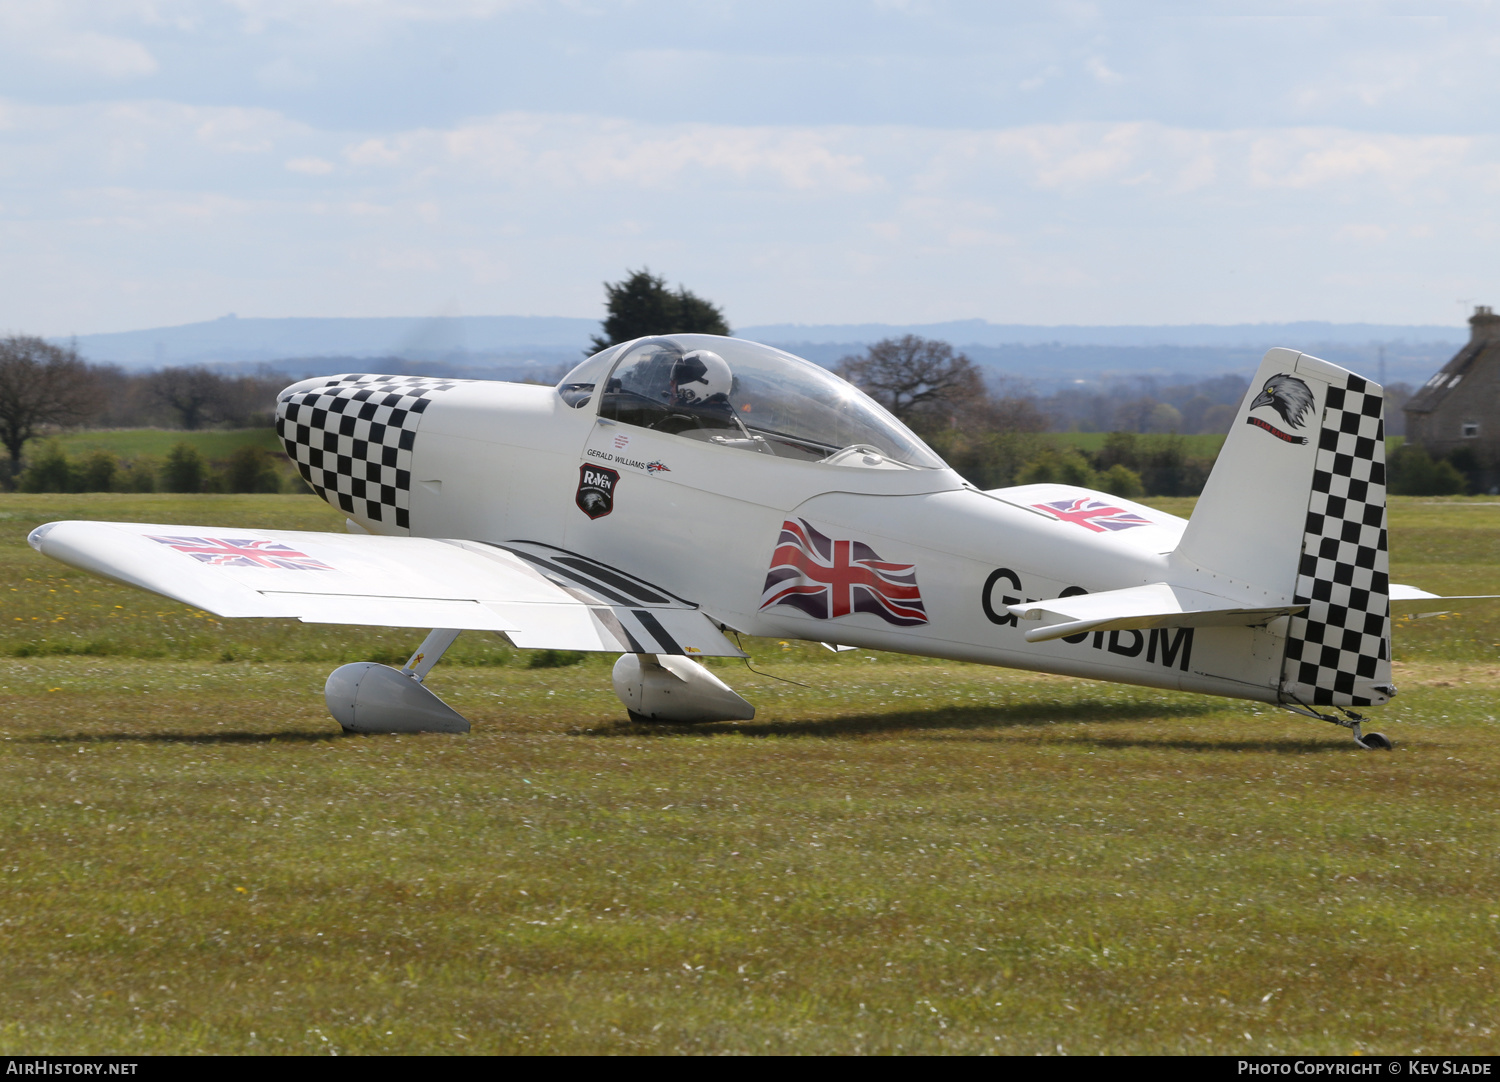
[(746, 396)]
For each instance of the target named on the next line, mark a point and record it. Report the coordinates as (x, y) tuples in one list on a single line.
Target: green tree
[(641, 305), (99, 472), (140, 473), (1414, 473), (185, 470), (1120, 449), (48, 470), (1121, 480), (1058, 467), (251, 469)]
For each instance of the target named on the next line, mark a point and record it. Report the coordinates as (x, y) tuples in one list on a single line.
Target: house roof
[(1482, 348)]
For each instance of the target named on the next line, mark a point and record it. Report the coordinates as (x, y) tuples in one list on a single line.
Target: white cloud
[(313, 167), (101, 54), (283, 74), (1033, 223), (1363, 233), (583, 152), (1102, 72)]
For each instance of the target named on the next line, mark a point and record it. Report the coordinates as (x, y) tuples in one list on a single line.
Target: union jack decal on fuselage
[(828, 578), (243, 552), (1096, 515)]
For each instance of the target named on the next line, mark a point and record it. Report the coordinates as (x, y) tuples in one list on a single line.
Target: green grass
[(907, 855), (213, 443)]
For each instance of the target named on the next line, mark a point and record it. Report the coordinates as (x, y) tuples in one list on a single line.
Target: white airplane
[(674, 489)]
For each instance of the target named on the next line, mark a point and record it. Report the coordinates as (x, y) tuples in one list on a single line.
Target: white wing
[(540, 597)]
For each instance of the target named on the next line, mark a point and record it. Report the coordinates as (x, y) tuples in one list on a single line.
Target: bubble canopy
[(777, 404)]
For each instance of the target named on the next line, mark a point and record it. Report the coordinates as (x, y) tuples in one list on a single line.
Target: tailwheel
[(1350, 721)]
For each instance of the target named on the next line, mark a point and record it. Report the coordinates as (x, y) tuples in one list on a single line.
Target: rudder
[(1294, 511)]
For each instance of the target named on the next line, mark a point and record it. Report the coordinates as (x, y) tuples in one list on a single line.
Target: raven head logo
[(1288, 396)]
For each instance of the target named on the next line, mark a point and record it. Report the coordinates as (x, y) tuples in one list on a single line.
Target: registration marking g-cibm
[(1166, 646)]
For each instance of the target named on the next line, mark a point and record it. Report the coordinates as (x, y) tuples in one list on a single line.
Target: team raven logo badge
[(596, 490), (1290, 398), (828, 578)]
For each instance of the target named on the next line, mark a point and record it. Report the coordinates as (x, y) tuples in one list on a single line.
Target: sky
[(168, 161)]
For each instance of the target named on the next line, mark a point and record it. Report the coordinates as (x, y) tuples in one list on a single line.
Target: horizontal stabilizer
[(1410, 599), (1138, 608), (539, 597)]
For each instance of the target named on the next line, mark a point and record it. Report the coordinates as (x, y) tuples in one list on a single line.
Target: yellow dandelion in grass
[(241, 890)]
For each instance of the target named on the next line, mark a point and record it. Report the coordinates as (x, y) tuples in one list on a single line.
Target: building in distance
[(1457, 411)]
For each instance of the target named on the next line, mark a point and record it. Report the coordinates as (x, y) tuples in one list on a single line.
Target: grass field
[(907, 855)]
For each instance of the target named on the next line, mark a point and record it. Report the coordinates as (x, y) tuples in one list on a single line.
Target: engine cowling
[(669, 687)]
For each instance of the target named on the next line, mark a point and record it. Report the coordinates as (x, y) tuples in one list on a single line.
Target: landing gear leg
[(433, 647), (1351, 721)]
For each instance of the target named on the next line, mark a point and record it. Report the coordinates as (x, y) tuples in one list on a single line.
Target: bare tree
[(921, 380), (40, 385), (197, 395)]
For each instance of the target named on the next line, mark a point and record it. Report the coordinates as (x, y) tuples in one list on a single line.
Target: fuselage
[(871, 553)]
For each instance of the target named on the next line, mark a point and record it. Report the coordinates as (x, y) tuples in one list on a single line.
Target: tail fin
[(1295, 511)]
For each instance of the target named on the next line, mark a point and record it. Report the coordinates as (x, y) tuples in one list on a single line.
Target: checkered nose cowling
[(352, 438), (1339, 651)]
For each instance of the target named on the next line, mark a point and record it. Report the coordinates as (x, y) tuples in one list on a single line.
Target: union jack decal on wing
[(243, 552), (1096, 515), (827, 579)]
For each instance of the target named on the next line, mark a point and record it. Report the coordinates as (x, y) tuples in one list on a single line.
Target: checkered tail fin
[(1295, 511)]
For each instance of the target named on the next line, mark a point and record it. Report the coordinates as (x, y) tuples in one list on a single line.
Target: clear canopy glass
[(743, 395)]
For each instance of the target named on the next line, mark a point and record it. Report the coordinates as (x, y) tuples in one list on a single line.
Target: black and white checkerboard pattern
[(352, 439), (1338, 652)]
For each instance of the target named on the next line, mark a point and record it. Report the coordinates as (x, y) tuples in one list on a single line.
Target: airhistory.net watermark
[(67, 1067)]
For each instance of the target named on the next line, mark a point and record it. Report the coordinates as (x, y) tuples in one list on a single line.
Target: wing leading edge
[(538, 596)]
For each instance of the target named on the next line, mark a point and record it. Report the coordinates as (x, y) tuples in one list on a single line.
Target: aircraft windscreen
[(577, 387), (746, 396)]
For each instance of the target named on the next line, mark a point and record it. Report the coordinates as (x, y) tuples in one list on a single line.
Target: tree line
[(995, 433), (45, 387), (49, 468)]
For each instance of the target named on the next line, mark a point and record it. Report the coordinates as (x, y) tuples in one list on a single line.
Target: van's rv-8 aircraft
[(675, 488)]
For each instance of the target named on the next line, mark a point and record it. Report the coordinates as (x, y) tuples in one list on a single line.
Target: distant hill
[(251, 341), (979, 332), (540, 347)]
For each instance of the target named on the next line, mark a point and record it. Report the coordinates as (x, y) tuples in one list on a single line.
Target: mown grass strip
[(906, 856)]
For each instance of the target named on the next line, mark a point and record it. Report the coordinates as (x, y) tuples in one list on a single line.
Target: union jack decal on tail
[(243, 552), (827, 579), (1096, 515)]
